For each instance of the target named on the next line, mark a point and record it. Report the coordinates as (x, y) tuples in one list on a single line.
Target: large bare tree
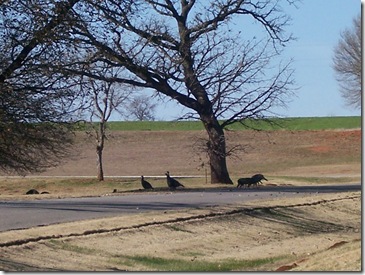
[(34, 102), (195, 53), (347, 64)]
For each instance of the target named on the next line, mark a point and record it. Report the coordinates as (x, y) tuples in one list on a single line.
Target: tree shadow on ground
[(298, 219)]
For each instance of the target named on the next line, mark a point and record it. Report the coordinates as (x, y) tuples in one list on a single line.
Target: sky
[(317, 25)]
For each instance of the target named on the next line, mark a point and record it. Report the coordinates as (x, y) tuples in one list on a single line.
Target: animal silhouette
[(258, 178), (171, 182), (32, 192), (145, 184), (254, 180)]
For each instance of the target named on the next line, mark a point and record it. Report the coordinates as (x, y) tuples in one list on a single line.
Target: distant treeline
[(297, 123)]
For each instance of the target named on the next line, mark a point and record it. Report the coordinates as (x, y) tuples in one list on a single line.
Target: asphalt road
[(25, 214)]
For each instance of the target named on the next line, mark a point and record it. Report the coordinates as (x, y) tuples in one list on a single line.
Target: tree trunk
[(99, 152), (216, 147)]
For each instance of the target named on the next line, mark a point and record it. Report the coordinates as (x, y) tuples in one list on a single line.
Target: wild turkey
[(145, 184), (32, 192), (171, 182), (244, 181), (254, 180), (258, 178)]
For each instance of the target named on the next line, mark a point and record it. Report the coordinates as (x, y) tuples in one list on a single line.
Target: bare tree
[(190, 51), (347, 64), (106, 98), (34, 103), (142, 108)]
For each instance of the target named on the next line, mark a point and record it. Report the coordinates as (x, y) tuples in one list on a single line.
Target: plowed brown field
[(268, 152)]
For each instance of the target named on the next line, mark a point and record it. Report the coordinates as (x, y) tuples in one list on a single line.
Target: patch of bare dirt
[(268, 152)]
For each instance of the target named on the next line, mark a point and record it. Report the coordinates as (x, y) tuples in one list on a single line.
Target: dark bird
[(145, 184), (171, 182), (254, 180), (32, 192), (258, 178)]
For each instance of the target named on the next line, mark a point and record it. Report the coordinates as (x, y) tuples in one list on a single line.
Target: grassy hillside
[(302, 123)]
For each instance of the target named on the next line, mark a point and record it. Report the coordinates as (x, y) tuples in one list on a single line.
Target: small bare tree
[(106, 98), (347, 64), (142, 108)]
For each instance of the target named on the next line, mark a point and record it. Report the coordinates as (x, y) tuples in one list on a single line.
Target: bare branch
[(61, 10)]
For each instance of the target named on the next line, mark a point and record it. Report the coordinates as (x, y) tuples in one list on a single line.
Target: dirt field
[(269, 152), (319, 232)]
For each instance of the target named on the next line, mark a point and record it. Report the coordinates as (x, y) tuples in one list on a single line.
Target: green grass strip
[(163, 264), (300, 123)]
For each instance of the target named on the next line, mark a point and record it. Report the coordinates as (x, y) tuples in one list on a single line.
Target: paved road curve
[(25, 214)]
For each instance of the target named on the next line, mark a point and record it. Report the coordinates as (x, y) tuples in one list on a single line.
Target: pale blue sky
[(317, 25)]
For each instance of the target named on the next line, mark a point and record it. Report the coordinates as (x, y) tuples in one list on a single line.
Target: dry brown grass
[(313, 233)]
